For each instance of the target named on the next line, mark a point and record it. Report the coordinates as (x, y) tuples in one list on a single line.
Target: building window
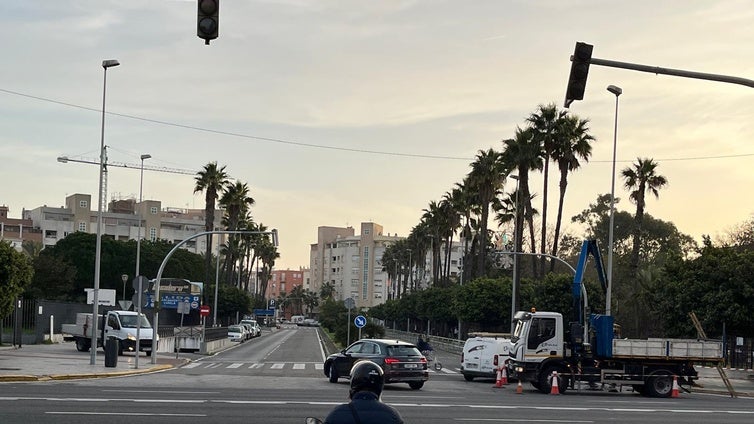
[(51, 234), (82, 226), (153, 234), (366, 231), (83, 204), (153, 210)]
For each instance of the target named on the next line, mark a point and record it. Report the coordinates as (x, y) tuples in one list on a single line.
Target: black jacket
[(368, 408)]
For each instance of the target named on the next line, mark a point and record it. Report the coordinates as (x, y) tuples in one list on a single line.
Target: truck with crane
[(546, 349)]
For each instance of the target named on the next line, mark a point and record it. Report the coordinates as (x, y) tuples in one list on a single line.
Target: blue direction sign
[(360, 321)]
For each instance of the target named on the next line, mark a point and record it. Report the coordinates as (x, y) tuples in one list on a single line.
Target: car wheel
[(416, 385), (82, 345), (333, 374), (149, 353), (468, 377)]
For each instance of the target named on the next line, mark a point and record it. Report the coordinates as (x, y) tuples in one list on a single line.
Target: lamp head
[(110, 63), (145, 157), (124, 277), (615, 90), (63, 159)]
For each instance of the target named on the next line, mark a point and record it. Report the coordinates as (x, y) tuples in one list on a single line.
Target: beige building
[(121, 221), (351, 262)]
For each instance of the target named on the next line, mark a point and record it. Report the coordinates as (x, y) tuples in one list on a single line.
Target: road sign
[(360, 321), (125, 304), (349, 303), (204, 311), (271, 304)]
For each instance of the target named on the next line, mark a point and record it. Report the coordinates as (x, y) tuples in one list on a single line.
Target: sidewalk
[(61, 361)]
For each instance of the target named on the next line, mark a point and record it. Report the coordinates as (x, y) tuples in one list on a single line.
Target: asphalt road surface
[(278, 378)]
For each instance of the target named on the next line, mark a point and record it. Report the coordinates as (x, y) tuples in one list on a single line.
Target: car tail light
[(391, 361), (462, 357), (495, 360), (424, 360)]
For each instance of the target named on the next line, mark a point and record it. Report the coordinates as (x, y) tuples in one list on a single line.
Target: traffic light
[(208, 20), (582, 55)]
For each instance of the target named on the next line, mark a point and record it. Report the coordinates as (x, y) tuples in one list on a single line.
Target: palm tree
[(211, 180), (237, 203), (487, 176), (544, 124), (573, 143), (641, 177), (524, 153)]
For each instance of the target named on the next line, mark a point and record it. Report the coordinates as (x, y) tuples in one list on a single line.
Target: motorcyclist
[(423, 345), (367, 381)]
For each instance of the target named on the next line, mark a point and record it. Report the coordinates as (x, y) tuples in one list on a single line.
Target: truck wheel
[(659, 384), (82, 345), (468, 377), (545, 385), (120, 349)]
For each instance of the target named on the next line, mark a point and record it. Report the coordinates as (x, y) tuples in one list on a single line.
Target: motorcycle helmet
[(366, 375)]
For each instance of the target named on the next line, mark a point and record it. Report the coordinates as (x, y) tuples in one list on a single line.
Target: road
[(278, 378)]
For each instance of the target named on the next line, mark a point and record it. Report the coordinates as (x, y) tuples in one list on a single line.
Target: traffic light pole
[(675, 72)]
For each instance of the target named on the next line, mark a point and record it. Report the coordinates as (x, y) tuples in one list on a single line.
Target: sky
[(341, 112)]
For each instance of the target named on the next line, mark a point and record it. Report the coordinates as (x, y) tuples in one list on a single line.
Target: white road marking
[(299, 366), (236, 365), (277, 366)]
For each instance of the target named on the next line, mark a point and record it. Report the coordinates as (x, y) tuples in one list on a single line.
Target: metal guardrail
[(445, 344)]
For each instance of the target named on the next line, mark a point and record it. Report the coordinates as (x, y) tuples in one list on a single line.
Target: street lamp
[(138, 261), (617, 91), (98, 251), (516, 282)]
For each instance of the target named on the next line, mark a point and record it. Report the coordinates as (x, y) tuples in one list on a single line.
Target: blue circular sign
[(360, 321)]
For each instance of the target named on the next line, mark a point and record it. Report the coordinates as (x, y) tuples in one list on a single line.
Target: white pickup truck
[(119, 324)]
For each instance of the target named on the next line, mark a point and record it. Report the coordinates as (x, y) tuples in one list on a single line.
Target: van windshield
[(129, 321)]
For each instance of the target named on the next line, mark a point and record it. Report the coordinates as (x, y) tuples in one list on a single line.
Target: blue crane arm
[(588, 247)]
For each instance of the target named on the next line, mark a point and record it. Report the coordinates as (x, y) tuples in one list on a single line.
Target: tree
[(237, 203), (523, 153), (15, 274), (487, 176), (639, 179), (573, 143), (544, 125), (211, 180)]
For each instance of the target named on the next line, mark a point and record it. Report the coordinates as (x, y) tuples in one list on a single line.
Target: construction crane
[(66, 159)]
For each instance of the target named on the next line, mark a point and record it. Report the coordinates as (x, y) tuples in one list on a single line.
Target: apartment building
[(16, 231), (351, 262), (48, 225)]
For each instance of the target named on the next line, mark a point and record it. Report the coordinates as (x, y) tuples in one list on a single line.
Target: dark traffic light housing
[(582, 55), (208, 20)]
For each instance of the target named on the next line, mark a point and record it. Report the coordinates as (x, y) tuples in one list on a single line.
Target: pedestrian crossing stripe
[(300, 366)]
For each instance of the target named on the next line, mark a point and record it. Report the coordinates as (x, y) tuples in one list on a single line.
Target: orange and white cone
[(519, 388), (554, 389), (499, 380), (674, 392), (504, 379)]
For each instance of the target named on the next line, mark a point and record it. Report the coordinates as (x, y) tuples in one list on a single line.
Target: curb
[(21, 378)]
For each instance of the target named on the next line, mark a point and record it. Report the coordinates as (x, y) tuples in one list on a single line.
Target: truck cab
[(537, 343)]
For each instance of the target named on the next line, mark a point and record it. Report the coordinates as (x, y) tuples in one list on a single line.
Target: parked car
[(236, 333), (256, 330), (309, 322), (401, 362), (248, 330)]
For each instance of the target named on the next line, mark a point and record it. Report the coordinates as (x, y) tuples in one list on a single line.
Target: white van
[(483, 353), (298, 319)]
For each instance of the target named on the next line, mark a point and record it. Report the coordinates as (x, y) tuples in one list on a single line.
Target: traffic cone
[(499, 380), (554, 390), (502, 378), (519, 388), (674, 392)]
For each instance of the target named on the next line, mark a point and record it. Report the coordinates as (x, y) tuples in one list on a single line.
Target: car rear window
[(234, 329), (403, 351)]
